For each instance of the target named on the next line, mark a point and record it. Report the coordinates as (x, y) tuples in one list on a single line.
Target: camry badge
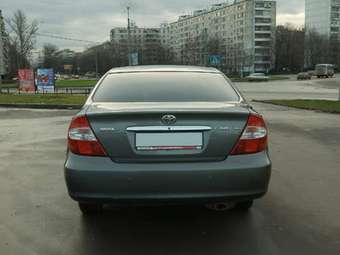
[(107, 129)]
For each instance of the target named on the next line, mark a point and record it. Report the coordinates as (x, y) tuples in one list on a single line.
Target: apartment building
[(3, 55), (241, 32), (145, 41), (323, 17)]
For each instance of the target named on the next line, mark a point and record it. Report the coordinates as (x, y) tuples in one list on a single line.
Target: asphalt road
[(300, 214), (292, 89)]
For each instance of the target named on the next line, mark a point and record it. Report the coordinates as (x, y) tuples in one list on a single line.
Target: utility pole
[(205, 47), (96, 62), (129, 35)]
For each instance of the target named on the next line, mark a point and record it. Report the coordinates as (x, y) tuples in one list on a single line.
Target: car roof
[(163, 68)]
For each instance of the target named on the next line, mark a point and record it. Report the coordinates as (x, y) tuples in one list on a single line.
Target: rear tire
[(244, 205), (90, 209)]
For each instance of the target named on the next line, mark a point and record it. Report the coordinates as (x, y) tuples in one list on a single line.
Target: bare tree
[(50, 56), (103, 56), (233, 58), (22, 36), (166, 55), (214, 46), (334, 45), (289, 48), (191, 52), (317, 49)]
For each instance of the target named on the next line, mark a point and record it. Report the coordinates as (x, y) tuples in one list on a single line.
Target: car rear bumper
[(102, 180)]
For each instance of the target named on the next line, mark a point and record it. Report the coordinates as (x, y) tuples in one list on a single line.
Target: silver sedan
[(167, 134)]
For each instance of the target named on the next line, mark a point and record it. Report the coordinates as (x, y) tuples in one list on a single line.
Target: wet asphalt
[(299, 215)]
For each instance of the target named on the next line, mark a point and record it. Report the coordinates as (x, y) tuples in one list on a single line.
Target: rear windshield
[(165, 87)]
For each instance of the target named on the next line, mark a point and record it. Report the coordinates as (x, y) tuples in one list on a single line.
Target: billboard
[(45, 80), (68, 67), (26, 80)]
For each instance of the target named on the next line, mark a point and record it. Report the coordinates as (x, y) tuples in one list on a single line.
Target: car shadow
[(170, 230)]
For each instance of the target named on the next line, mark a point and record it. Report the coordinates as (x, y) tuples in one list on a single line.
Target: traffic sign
[(215, 60)]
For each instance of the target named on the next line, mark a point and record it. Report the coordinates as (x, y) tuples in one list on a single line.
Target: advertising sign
[(26, 80), (133, 59), (45, 80), (68, 67)]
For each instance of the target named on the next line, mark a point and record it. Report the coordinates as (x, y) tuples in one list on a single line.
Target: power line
[(66, 38), (75, 40)]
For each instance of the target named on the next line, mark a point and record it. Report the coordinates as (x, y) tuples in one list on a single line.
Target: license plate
[(169, 141)]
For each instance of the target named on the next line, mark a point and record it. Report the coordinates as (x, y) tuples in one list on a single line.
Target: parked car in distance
[(324, 70), (257, 77), (57, 76), (167, 134), (90, 75), (311, 73), (304, 76), (66, 77)]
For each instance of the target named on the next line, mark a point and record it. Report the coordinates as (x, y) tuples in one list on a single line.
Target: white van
[(324, 70)]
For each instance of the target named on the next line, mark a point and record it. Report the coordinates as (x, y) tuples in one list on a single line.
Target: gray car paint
[(100, 179)]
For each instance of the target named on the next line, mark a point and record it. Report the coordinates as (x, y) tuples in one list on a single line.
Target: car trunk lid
[(136, 132)]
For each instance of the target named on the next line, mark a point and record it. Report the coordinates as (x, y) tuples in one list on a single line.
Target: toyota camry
[(167, 135)]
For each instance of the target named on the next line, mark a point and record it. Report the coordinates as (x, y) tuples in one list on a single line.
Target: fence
[(71, 91)]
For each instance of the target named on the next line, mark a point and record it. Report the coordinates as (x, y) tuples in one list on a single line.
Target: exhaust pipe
[(220, 207)]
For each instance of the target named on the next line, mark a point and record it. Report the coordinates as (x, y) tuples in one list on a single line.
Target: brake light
[(254, 138), (81, 139)]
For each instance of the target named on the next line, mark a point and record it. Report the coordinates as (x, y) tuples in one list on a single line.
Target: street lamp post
[(129, 35)]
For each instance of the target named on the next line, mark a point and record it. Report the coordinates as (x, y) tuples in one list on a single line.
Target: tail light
[(81, 139), (254, 138)]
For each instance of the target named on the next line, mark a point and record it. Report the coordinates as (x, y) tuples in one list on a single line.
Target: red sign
[(26, 80)]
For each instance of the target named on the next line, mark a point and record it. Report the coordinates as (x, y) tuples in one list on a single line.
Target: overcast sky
[(93, 19)]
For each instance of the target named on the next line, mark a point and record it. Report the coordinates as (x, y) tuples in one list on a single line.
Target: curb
[(43, 106), (295, 107)]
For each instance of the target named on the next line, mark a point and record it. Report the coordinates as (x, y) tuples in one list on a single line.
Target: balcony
[(264, 16), (263, 32), (262, 61), (262, 47), (263, 39)]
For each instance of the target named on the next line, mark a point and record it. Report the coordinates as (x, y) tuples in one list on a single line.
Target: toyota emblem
[(169, 119)]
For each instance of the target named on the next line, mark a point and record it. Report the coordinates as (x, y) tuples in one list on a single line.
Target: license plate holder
[(169, 141)]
